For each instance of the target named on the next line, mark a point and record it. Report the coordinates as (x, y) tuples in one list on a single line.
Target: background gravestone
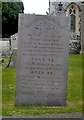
[(13, 58), (13, 55), (43, 46), (4, 47), (14, 41)]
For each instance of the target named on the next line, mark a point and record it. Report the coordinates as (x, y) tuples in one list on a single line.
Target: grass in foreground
[(74, 92)]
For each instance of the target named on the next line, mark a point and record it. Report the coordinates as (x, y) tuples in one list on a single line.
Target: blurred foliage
[(10, 11)]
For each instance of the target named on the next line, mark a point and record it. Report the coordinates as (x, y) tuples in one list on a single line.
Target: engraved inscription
[(42, 40)]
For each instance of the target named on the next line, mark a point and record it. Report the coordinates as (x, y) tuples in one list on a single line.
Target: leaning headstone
[(13, 55), (12, 60), (43, 46)]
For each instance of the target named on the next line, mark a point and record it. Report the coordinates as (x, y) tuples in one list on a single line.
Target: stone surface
[(43, 46), (14, 41), (4, 48)]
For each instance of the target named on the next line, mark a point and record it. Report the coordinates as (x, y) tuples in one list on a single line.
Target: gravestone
[(4, 48), (13, 55), (43, 46), (14, 41), (12, 60)]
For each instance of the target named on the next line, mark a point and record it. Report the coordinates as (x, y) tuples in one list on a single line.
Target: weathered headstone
[(43, 43), (12, 60), (14, 41), (13, 55), (4, 48)]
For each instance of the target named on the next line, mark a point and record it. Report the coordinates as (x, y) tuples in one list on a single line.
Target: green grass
[(6, 59), (74, 92)]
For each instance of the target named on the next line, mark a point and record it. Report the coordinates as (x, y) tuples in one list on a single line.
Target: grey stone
[(43, 47), (14, 41), (4, 48)]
